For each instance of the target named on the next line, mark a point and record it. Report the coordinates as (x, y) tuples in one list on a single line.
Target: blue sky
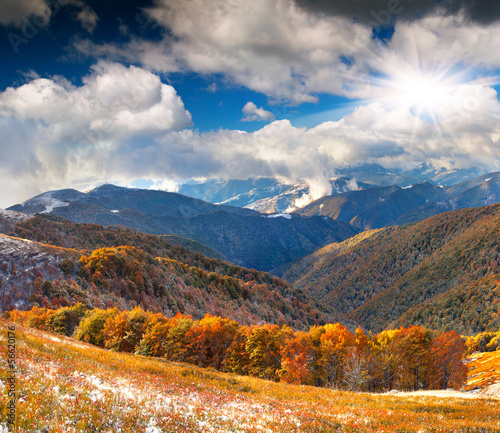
[(160, 91)]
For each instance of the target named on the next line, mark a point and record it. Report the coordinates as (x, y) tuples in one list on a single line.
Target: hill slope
[(243, 236), (9, 219), (22, 262), (68, 383), (160, 277), (379, 276), (60, 232)]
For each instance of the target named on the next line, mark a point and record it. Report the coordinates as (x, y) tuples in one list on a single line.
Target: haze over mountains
[(271, 195)]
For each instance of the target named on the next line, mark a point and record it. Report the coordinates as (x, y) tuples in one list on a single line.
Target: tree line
[(327, 355)]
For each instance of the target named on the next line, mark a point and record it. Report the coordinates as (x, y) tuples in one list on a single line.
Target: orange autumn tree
[(327, 355), (263, 347), (412, 349), (91, 326), (448, 369), (237, 359), (156, 330), (115, 330), (208, 340), (123, 331), (382, 362), (175, 341), (356, 376), (336, 344), (297, 359)]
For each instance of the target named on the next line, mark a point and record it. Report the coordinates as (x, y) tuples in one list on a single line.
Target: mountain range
[(242, 236), (379, 257), (442, 273), (394, 205), (58, 263), (270, 195)]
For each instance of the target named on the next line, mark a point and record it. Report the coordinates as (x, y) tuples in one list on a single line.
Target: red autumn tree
[(448, 369)]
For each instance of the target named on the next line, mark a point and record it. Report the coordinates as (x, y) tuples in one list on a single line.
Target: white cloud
[(166, 185), (125, 124), (56, 133), (253, 113), (49, 148), (293, 55), (272, 47), (114, 102)]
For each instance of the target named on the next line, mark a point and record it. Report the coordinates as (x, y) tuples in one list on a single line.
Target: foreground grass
[(69, 386)]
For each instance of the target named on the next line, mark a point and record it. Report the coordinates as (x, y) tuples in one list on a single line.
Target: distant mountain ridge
[(114, 198), (387, 206), (243, 236), (270, 195)]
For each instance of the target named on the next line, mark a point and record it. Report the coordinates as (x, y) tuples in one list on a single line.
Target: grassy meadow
[(68, 386)]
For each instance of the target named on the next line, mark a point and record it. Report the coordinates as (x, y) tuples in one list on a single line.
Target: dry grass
[(69, 386), (484, 373)]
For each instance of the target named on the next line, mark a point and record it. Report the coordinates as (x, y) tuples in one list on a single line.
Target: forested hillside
[(58, 231), (150, 272), (378, 276)]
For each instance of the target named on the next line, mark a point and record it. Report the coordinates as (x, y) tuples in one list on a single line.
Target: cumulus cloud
[(114, 101), (295, 51), (45, 150), (393, 138), (57, 132), (272, 47), (253, 113)]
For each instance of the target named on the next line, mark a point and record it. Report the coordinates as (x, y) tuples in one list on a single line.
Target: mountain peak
[(107, 187)]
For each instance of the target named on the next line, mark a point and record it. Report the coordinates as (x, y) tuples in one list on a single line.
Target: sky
[(152, 93)]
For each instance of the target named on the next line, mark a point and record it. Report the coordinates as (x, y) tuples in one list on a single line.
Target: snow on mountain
[(13, 215), (280, 215)]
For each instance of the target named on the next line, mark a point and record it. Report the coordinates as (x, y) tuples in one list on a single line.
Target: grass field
[(68, 386)]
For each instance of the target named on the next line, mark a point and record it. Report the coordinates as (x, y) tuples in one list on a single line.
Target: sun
[(423, 93)]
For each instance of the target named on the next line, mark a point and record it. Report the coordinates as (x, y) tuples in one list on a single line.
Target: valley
[(338, 299)]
